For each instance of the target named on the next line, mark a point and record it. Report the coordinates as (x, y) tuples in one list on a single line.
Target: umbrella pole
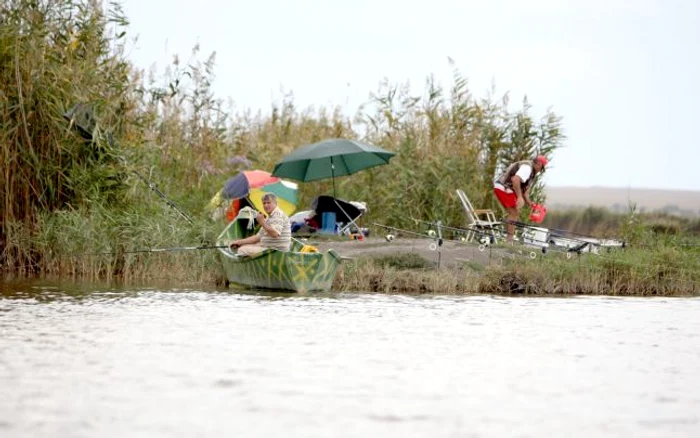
[(333, 175), (250, 201)]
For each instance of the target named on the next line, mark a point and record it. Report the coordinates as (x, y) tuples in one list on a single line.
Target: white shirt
[(524, 173)]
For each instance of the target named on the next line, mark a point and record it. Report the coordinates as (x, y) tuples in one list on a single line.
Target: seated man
[(275, 231)]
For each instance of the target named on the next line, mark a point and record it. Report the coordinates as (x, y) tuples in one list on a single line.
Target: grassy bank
[(118, 249), (670, 272), (667, 270)]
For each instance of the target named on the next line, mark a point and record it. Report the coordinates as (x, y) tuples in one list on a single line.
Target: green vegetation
[(403, 273), (602, 222), (56, 54), (632, 272), (667, 271), (75, 205)]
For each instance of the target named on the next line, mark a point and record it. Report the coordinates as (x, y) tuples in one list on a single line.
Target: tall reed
[(175, 131), (54, 54)]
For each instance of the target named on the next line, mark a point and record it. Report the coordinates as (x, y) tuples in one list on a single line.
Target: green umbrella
[(330, 158)]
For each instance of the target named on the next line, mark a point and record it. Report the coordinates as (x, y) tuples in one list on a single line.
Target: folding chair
[(489, 226), (361, 210), (343, 212)]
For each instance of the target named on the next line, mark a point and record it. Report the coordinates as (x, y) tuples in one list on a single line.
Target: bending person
[(275, 231), (513, 186)]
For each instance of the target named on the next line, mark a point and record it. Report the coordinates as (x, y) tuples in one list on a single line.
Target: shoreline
[(451, 254), (414, 266), (411, 266)]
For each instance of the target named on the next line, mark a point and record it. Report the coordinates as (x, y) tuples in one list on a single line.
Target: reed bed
[(171, 128), (72, 205), (102, 244)]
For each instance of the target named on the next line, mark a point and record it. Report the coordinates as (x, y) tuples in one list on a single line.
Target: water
[(100, 362)]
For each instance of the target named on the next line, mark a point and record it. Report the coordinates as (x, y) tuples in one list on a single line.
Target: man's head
[(540, 163), (269, 201)]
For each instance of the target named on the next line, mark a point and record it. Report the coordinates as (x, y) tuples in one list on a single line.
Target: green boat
[(292, 270)]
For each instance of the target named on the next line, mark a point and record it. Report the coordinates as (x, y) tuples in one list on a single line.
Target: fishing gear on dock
[(530, 236), (558, 231), (439, 238)]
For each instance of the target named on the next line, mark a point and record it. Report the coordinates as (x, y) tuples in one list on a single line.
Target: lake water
[(89, 361)]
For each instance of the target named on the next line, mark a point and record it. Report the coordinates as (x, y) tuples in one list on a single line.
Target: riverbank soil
[(450, 254)]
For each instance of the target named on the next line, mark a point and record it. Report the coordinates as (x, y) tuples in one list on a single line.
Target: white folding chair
[(488, 225), (347, 228)]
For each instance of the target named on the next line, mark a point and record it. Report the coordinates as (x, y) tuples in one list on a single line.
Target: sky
[(623, 74)]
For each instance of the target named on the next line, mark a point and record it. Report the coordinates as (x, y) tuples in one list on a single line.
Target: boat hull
[(293, 270), (284, 270)]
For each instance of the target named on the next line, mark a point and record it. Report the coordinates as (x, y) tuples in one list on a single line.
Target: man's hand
[(520, 202), (260, 218)]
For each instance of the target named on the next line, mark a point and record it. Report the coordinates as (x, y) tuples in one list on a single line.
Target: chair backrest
[(468, 208), (344, 211)]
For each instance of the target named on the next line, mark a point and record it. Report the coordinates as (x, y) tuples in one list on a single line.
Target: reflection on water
[(90, 360)]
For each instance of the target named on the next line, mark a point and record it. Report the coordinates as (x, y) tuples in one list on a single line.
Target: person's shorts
[(508, 200)]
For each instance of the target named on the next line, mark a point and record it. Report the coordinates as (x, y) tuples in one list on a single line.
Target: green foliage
[(667, 270), (53, 54), (403, 261), (636, 228), (632, 228), (595, 221), (173, 130), (100, 243)]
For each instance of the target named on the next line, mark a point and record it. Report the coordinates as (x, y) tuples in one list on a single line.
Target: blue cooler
[(328, 223)]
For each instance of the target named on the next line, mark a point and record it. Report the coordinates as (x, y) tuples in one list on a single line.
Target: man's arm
[(517, 188), (247, 241), (269, 229)]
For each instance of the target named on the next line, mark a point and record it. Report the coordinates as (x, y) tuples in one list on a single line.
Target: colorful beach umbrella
[(253, 184)]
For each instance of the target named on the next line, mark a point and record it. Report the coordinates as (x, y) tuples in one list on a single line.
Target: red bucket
[(538, 213)]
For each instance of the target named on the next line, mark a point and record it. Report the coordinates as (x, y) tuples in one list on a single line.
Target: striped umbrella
[(253, 184)]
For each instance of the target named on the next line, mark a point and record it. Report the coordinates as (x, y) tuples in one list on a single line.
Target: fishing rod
[(82, 118), (532, 254), (493, 236), (439, 238), (557, 230), (458, 229), (149, 250), (390, 237), (155, 189)]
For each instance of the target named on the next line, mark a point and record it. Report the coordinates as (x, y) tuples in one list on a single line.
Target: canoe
[(292, 270)]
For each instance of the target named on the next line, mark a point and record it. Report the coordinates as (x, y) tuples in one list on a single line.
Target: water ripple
[(82, 360)]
